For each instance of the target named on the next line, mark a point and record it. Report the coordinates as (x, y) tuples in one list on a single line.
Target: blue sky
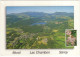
[(46, 9)]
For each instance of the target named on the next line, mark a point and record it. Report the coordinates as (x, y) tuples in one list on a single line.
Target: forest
[(38, 30)]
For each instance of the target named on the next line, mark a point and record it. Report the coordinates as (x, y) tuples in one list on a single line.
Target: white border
[(3, 4), (39, 0)]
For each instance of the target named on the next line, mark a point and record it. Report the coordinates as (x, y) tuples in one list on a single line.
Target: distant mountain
[(32, 17), (35, 14), (41, 14), (63, 14)]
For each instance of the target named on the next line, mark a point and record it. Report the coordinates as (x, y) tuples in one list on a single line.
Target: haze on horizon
[(45, 9)]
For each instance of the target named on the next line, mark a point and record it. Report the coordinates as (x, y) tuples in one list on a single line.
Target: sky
[(45, 9)]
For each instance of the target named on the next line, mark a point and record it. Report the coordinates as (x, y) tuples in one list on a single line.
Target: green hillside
[(38, 30)]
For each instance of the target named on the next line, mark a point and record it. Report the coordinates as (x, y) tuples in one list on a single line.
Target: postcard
[(40, 27)]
